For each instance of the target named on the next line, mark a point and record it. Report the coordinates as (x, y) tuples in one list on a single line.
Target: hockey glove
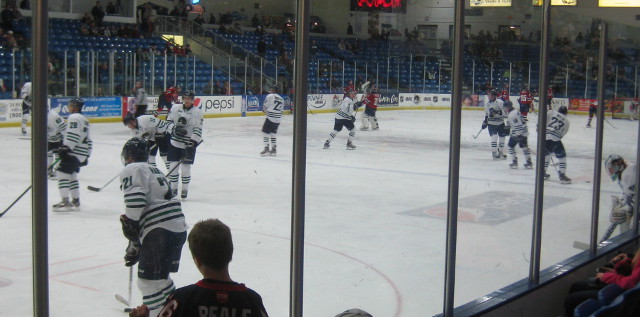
[(620, 212), (484, 124), (357, 105), (130, 228), (132, 254), (64, 151), (85, 162), (353, 118), (180, 130), (191, 144)]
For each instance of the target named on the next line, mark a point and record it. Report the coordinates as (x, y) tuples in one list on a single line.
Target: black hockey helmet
[(76, 102), (136, 149), (188, 93), (128, 118), (563, 109)]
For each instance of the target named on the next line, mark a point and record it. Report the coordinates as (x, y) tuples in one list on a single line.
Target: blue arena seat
[(608, 294), (586, 308)]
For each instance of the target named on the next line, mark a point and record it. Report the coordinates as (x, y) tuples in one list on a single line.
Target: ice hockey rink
[(375, 217)]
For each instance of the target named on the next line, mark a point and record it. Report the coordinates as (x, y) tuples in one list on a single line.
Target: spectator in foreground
[(623, 270), (211, 246)]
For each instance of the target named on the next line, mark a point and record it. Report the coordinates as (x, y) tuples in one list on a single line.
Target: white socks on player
[(155, 293), (186, 176), (68, 183)]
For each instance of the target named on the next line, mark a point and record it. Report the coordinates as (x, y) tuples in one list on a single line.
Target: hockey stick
[(120, 298), (477, 134), (180, 162), (26, 190), (97, 189), (585, 246), (611, 124), (15, 201)]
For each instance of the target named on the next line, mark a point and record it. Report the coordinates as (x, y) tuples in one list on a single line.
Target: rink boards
[(110, 109)]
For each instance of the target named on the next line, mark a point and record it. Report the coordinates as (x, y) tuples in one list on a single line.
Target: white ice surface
[(368, 244)]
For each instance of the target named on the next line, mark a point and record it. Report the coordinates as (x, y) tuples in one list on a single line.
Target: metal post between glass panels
[(77, 73), (410, 72), (566, 82), (64, 76)]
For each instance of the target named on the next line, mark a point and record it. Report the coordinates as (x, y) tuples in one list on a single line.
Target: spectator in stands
[(255, 22), (87, 20), (10, 40), (212, 18), (7, 17), (359, 81), (98, 13), (349, 28), (342, 45), (199, 19), (187, 50), (259, 31), (111, 8), (227, 90), (25, 5), (261, 47), (623, 270), (175, 12), (236, 29), (218, 89), (313, 48), (226, 18)]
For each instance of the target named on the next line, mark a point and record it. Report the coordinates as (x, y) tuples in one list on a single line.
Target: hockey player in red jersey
[(167, 98), (370, 101), (525, 101), (504, 93)]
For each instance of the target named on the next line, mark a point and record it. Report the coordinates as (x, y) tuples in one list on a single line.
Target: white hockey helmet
[(354, 312), (615, 164)]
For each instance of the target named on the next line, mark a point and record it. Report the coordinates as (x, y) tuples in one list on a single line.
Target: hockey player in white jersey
[(74, 153), (345, 118), (625, 176), (186, 135), (56, 129), (156, 131), (494, 119), (153, 223), (518, 136), (557, 128), (25, 95), (272, 106)]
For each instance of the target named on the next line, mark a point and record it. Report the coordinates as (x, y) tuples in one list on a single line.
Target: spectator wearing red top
[(504, 93), (622, 270)]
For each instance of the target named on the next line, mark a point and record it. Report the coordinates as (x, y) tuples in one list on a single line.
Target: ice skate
[(494, 155), (350, 146), (24, 131), (52, 174), (363, 128), (528, 164), (326, 145), (174, 193), (184, 194), (546, 176), (514, 163), (501, 155), (273, 151), (64, 205), (76, 203), (265, 152), (564, 179)]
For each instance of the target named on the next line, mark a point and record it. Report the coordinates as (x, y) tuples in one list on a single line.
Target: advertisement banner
[(388, 100), (490, 3), (216, 105), (609, 105), (152, 102), (323, 101), (94, 107), (253, 103), (10, 110)]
